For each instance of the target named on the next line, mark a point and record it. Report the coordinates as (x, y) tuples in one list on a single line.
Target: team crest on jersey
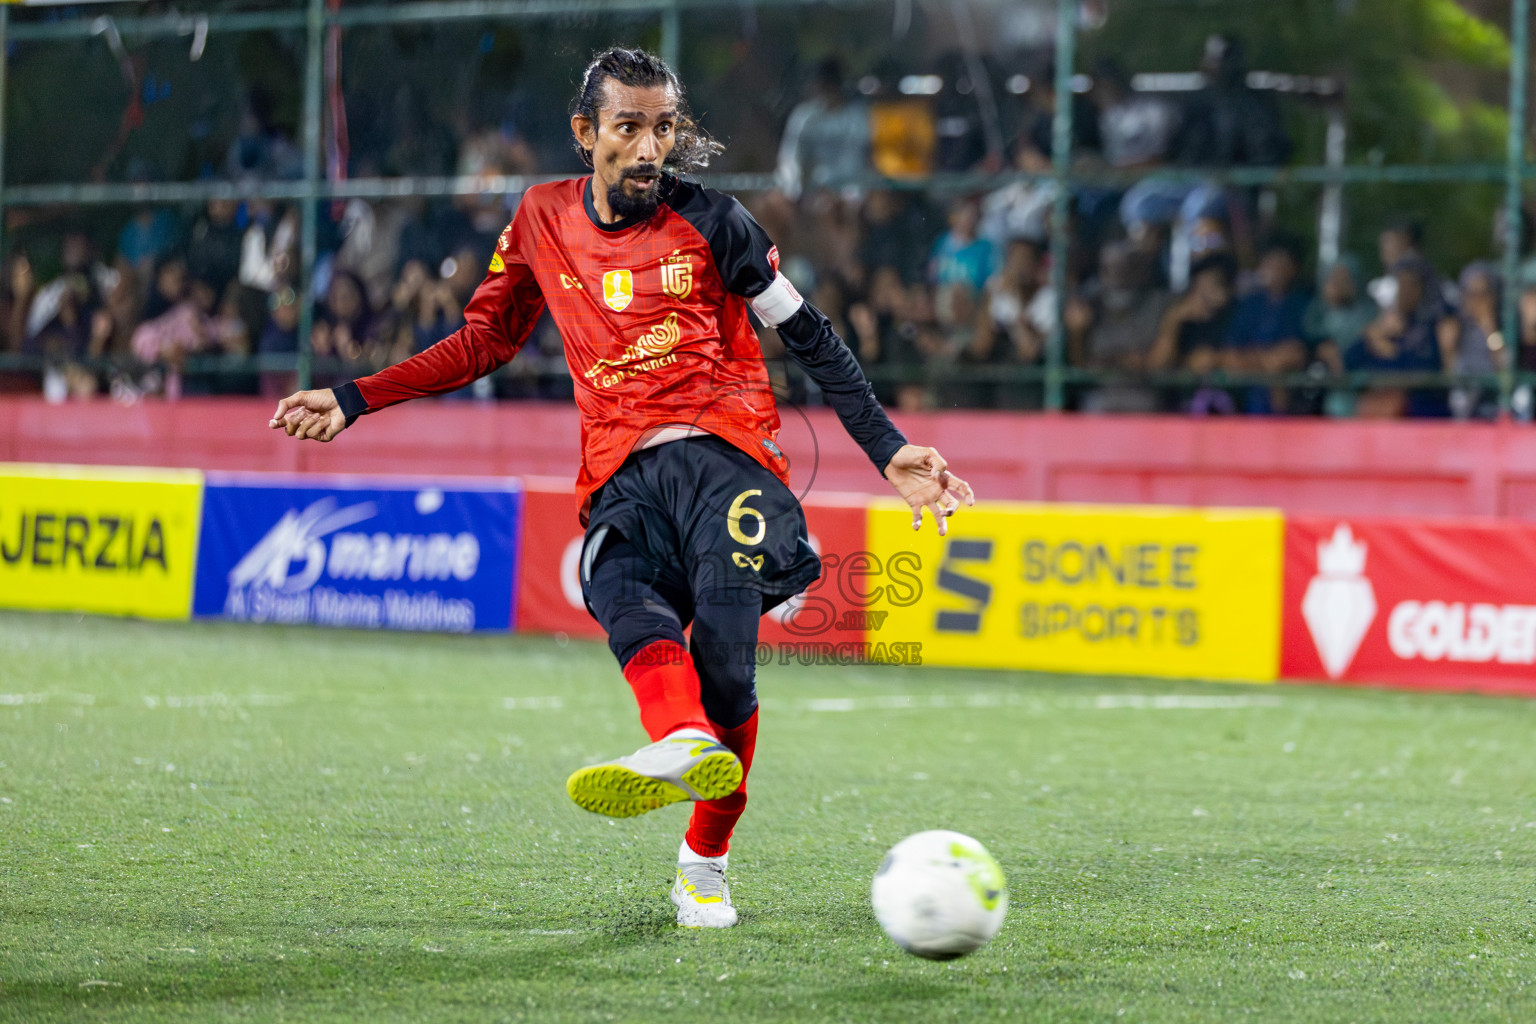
[(618, 289), (497, 266), (677, 275)]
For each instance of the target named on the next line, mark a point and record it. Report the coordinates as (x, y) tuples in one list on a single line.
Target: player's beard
[(626, 206)]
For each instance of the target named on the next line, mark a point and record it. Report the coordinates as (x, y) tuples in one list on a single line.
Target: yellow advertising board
[(117, 541), (1077, 588)]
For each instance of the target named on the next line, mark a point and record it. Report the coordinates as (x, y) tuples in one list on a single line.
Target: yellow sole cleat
[(677, 768)]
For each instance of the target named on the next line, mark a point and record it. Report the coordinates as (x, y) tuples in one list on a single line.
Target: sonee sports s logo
[(977, 592)]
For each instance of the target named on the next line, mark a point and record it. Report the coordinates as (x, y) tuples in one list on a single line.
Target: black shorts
[(707, 517)]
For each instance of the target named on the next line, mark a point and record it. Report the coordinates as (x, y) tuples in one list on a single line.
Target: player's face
[(631, 140)]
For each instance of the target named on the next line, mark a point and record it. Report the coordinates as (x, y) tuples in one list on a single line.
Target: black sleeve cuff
[(350, 398), (882, 452)]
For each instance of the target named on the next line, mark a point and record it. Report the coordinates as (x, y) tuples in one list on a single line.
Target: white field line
[(894, 702), (217, 700), (16, 699), (1104, 702), (153, 701), (1182, 702), (532, 704)]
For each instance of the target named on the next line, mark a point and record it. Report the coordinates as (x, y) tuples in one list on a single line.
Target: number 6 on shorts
[(733, 520)]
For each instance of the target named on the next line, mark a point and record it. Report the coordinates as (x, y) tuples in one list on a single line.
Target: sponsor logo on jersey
[(773, 258), (497, 266), (618, 289), (650, 351), (677, 275)]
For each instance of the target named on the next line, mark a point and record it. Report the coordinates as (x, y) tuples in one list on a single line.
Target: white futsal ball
[(939, 895)]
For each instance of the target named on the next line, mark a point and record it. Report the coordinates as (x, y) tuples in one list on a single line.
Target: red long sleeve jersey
[(653, 313)]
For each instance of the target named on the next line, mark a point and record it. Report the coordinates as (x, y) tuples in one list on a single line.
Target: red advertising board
[(832, 611), (1417, 603)]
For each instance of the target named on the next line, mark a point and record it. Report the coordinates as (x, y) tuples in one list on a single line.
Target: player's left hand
[(922, 477), (309, 415)]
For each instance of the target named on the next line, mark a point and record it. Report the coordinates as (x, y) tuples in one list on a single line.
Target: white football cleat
[(701, 895), (689, 764)]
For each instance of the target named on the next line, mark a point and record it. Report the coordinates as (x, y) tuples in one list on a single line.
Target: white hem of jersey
[(777, 303), (670, 432)]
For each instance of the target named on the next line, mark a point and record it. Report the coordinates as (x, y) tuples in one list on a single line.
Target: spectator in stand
[(1401, 239), (280, 337), (370, 245), (81, 287), (1267, 334), (1403, 338), (62, 321), (496, 150), (150, 235), (1470, 342), (886, 326), (895, 233), (196, 324), (213, 244), (1115, 327), (1021, 209), (1136, 130), (429, 306), (267, 249), (1339, 315), (261, 150), (1526, 358), (1337, 319), (1194, 329), (1040, 96), (1226, 123), (168, 286), (958, 268), (112, 338), (826, 140), (1012, 322), (346, 328), (19, 286)]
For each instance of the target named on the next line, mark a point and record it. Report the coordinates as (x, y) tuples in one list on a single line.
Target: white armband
[(778, 302)]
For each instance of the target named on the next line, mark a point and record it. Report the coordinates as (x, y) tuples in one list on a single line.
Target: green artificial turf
[(208, 822)]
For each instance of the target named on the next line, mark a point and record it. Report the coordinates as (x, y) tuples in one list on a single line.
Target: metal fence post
[(1061, 169), (314, 47), (1330, 222), (671, 35), (1514, 173), (5, 68)]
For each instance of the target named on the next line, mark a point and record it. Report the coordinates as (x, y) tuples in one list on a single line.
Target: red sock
[(709, 830), (667, 688)]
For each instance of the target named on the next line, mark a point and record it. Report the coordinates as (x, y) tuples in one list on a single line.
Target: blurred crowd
[(947, 300)]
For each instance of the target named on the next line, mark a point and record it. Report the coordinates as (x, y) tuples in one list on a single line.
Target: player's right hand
[(310, 415)]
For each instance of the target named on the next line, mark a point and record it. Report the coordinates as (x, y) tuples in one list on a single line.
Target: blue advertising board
[(365, 554)]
